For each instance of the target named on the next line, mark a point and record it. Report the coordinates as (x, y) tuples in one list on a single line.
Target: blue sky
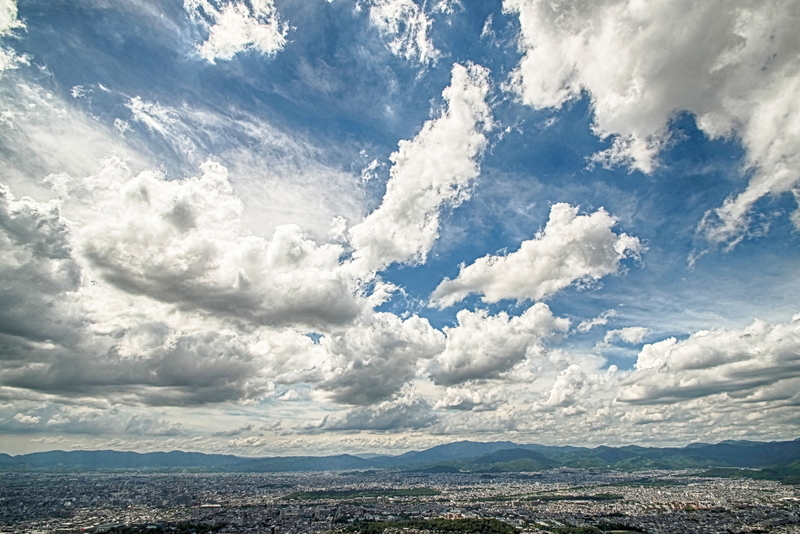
[(271, 226)]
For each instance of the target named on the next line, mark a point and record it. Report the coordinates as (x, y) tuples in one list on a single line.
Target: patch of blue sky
[(315, 337)]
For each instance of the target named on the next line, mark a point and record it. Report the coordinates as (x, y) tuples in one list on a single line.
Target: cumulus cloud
[(632, 335), (407, 27), (170, 368), (713, 385), (37, 272), (374, 359), (409, 411), (183, 242), (568, 387), (236, 26), (734, 66), (456, 398), (66, 335), (571, 248), (733, 362), (483, 346), (433, 170)]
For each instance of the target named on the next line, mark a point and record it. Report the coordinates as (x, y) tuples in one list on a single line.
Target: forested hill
[(464, 456)]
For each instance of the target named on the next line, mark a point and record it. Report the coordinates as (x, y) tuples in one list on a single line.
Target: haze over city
[(285, 227)]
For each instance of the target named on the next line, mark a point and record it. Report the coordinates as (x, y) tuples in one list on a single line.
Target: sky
[(284, 227)]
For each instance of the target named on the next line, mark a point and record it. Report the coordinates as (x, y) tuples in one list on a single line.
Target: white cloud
[(162, 120), (26, 419), (149, 363), (740, 383), (9, 60), (68, 331), (121, 126), (236, 26), (369, 172), (737, 363), (600, 320), (278, 175), (407, 26), (79, 91), (733, 65), (87, 314), (631, 334), (483, 346), (183, 242), (715, 385), (433, 170), (236, 431), (8, 16), (9, 22), (90, 420), (409, 411), (44, 134), (455, 398), (374, 359), (571, 248), (148, 425), (568, 388), (448, 7), (38, 275), (292, 395)]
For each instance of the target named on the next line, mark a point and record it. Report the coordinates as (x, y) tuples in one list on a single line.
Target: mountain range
[(776, 459)]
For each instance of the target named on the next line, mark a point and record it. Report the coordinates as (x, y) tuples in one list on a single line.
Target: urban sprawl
[(558, 501)]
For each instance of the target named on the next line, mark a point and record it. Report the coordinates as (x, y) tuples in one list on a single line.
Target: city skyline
[(284, 227)]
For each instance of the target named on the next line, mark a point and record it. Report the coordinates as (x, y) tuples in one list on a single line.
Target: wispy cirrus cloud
[(407, 27)]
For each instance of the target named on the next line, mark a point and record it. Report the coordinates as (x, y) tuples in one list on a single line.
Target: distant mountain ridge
[(109, 459), (781, 457)]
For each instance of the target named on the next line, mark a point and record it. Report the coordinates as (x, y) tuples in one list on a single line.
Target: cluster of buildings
[(652, 502)]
